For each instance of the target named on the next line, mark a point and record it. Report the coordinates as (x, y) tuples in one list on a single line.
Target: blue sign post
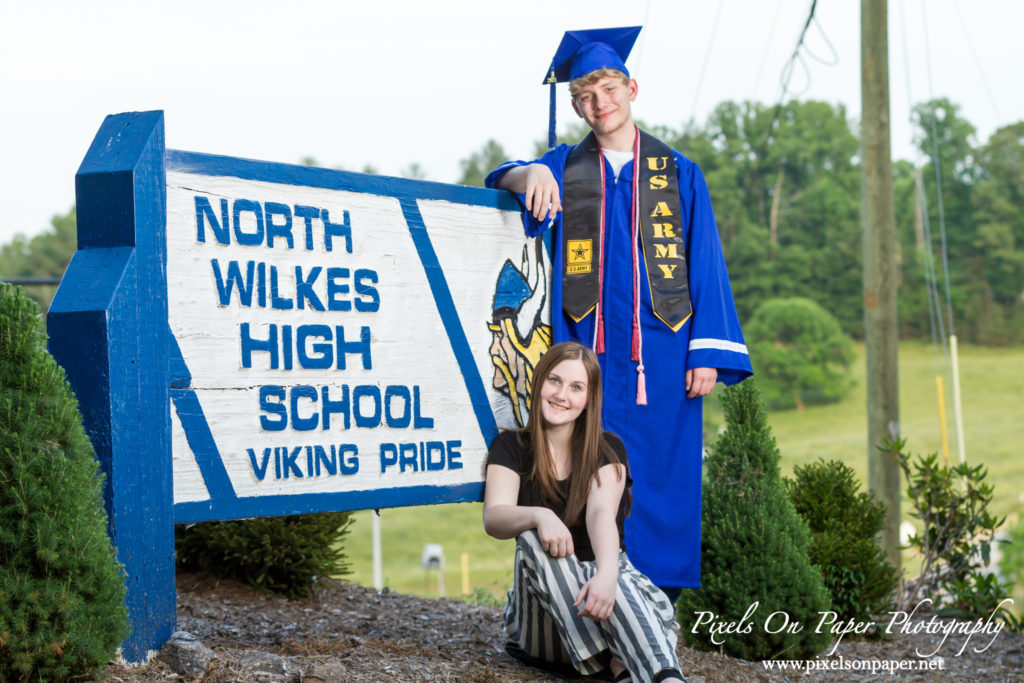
[(248, 338), (107, 328)]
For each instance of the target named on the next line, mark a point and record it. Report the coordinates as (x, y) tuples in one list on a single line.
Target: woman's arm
[(504, 518), (597, 596)]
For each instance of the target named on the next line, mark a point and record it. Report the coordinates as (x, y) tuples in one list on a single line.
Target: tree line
[(785, 182)]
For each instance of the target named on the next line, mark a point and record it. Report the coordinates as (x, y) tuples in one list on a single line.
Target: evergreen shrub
[(754, 560), (61, 588), (280, 555), (844, 523)]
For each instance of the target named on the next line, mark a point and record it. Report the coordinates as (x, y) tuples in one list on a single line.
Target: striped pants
[(541, 619)]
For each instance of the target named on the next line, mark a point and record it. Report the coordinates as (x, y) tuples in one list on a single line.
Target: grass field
[(993, 396)]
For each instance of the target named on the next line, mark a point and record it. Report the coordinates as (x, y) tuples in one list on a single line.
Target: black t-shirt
[(511, 449)]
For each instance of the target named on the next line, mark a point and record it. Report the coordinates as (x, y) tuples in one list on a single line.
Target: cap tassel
[(551, 112), (599, 328), (641, 386)]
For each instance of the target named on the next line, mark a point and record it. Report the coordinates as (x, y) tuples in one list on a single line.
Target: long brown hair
[(587, 443)]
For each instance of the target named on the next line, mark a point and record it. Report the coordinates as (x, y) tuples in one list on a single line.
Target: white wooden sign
[(343, 344)]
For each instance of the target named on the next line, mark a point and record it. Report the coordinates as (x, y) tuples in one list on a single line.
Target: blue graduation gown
[(664, 437)]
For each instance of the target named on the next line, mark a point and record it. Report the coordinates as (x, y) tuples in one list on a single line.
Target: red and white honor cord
[(637, 345), (638, 342)]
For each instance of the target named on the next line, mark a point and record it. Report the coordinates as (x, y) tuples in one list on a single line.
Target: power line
[(938, 173), (828, 43), (707, 58), (767, 45), (906, 63), (638, 51), (787, 74), (977, 62), (801, 50), (936, 321), (952, 357), (787, 70)]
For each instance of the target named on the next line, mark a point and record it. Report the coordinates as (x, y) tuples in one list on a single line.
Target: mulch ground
[(355, 634)]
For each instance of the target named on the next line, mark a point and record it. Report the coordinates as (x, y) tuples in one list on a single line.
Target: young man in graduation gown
[(640, 277)]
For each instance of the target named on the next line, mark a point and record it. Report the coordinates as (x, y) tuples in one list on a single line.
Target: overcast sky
[(392, 82)]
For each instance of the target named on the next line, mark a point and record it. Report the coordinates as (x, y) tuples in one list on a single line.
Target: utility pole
[(881, 333)]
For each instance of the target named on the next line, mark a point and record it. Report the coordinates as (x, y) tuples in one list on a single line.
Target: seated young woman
[(560, 487)]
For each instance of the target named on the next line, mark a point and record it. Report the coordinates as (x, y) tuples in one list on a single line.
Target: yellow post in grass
[(958, 413), (942, 419), (465, 573)]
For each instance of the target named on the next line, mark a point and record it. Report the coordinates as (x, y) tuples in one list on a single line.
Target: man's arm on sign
[(538, 185)]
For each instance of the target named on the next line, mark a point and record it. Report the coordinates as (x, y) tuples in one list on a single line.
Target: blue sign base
[(100, 323)]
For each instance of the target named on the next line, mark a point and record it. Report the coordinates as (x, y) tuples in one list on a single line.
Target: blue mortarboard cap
[(581, 52)]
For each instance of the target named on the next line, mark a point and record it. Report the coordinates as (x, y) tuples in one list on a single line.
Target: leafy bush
[(282, 555), (1011, 562), (754, 547), (979, 595), (956, 540), (843, 523), (800, 352), (61, 587)]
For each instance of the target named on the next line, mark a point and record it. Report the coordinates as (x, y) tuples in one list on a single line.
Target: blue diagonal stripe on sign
[(450, 319), (197, 430)]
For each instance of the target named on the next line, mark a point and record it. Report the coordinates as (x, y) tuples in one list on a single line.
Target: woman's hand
[(554, 534), (597, 596)]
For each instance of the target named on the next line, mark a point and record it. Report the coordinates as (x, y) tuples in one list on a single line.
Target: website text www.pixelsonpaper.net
[(892, 667)]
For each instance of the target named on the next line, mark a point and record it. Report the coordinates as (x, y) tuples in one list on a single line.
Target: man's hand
[(597, 596), (555, 537), (541, 192), (700, 381)]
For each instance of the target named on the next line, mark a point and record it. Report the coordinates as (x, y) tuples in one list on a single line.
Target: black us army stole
[(661, 230)]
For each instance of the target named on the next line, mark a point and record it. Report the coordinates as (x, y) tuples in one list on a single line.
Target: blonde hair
[(593, 77)]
